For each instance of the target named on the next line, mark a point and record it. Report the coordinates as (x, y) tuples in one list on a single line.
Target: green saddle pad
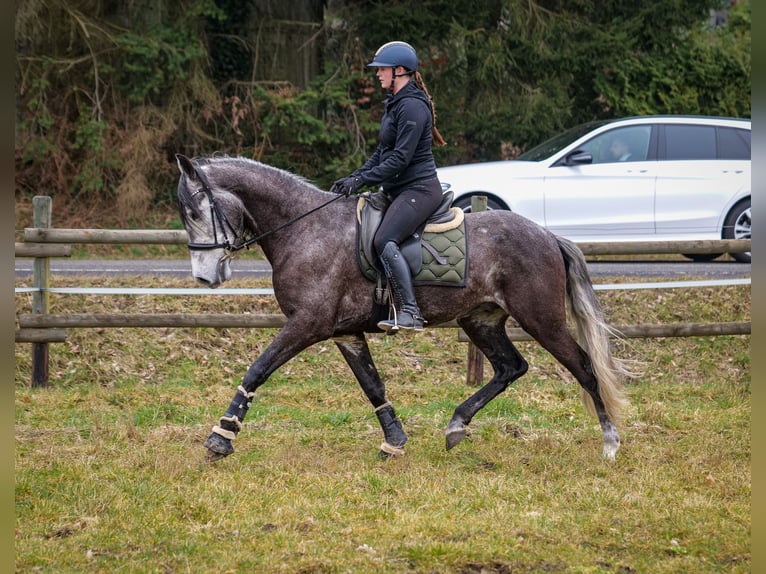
[(449, 264), (444, 255)]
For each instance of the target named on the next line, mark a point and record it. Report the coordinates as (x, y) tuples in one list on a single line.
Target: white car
[(659, 178)]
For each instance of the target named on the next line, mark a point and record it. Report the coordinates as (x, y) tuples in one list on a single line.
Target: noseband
[(219, 219)]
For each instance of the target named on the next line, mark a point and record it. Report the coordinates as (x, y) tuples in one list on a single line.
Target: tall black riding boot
[(400, 279)]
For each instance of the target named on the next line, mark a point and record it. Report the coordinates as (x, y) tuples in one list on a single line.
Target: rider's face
[(385, 76)]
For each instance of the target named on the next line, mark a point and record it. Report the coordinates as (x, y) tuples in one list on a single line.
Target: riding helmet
[(395, 54)]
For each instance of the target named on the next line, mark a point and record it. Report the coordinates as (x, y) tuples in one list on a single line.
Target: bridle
[(219, 219)]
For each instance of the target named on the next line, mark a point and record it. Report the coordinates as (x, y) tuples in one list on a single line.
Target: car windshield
[(559, 142)]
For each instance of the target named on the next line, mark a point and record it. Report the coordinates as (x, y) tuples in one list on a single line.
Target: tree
[(507, 74), (109, 91)]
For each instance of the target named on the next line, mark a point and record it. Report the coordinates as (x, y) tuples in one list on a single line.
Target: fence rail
[(180, 237), (41, 327), (30, 321)]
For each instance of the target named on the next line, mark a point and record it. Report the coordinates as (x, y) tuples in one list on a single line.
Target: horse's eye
[(192, 215)]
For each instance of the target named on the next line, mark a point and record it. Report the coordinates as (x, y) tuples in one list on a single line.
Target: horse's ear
[(186, 166)]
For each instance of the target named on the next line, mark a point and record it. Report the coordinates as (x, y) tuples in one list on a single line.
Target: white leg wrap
[(391, 449), (383, 406), (224, 433)]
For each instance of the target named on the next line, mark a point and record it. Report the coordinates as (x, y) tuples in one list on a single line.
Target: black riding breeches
[(408, 210)]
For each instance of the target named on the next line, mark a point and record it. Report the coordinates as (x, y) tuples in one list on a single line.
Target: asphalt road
[(725, 268)]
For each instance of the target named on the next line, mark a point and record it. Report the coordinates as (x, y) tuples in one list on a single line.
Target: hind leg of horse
[(357, 354), (566, 350), (487, 332), (582, 369), (288, 343)]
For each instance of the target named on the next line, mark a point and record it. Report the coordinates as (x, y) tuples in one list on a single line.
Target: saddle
[(437, 253)]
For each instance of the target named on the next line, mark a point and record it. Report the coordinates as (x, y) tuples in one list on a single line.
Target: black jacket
[(404, 153)]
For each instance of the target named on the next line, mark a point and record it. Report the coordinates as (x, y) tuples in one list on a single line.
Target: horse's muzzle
[(209, 271)]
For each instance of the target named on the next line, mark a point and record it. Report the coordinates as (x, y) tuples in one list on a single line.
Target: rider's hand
[(347, 186), (339, 187)]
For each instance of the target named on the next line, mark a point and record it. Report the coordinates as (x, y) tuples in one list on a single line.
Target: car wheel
[(738, 225), (464, 203)]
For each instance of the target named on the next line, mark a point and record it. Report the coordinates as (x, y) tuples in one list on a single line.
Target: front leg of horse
[(288, 343), (357, 354), (219, 443), (395, 437)]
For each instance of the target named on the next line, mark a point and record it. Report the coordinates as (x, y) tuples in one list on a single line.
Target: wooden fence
[(42, 327)]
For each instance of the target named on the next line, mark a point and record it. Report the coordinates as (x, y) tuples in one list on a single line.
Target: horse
[(518, 269)]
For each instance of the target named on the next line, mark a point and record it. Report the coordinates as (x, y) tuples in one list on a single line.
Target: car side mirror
[(578, 157)]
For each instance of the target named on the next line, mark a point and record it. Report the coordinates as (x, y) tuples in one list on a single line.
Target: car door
[(700, 172), (610, 198)]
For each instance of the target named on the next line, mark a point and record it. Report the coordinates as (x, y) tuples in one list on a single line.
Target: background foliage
[(109, 91)]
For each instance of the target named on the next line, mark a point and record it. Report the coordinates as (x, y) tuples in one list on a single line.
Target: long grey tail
[(593, 333)]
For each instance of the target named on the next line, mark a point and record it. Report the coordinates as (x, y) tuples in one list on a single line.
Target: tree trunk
[(283, 36)]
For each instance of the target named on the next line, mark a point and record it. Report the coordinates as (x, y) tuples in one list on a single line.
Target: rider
[(403, 165)]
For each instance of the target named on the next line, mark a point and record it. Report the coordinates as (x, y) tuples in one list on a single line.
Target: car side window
[(733, 143), (690, 142), (621, 144)]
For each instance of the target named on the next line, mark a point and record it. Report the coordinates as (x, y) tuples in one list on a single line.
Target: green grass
[(111, 477)]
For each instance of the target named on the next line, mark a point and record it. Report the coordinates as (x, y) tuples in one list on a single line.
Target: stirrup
[(390, 325), (406, 319)]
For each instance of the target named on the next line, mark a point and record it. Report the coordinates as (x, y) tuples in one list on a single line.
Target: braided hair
[(438, 139)]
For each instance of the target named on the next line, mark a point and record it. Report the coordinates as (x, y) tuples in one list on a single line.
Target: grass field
[(110, 472)]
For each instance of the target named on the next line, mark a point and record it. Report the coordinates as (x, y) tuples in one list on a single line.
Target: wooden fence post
[(475, 370), (41, 270)]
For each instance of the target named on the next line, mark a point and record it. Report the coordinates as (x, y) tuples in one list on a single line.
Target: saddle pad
[(451, 266), (444, 251)]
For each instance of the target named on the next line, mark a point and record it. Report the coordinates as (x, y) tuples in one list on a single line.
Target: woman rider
[(403, 165)]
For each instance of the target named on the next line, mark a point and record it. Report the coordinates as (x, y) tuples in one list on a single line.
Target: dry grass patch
[(110, 473)]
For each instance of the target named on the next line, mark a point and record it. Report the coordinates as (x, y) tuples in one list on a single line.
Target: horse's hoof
[(217, 447), (611, 443), (211, 456), (609, 452), (454, 434)]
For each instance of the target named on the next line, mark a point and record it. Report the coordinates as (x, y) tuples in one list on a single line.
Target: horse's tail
[(592, 333)]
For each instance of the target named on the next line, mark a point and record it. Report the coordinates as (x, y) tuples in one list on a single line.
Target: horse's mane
[(232, 173), (268, 171)]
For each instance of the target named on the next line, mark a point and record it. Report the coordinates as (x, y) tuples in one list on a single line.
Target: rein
[(220, 217)]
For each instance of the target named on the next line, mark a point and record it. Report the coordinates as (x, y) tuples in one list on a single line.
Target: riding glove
[(347, 186), (337, 187)]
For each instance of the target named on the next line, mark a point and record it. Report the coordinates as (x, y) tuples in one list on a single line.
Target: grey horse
[(518, 269)]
